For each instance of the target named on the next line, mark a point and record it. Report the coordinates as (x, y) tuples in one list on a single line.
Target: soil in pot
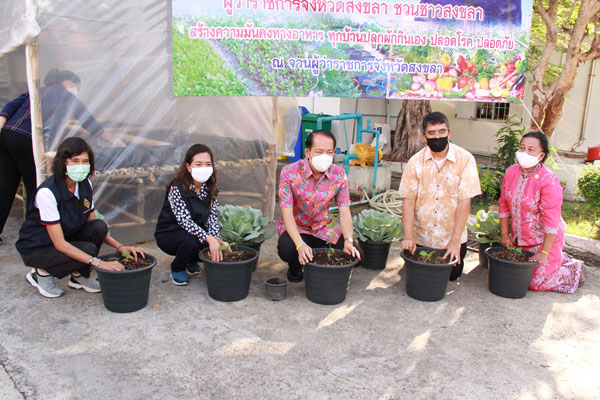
[(429, 258), (233, 255), (510, 255), (130, 264), (331, 258)]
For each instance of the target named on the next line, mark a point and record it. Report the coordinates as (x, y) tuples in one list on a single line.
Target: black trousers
[(458, 268), (181, 244), (288, 253), (16, 162), (88, 239)]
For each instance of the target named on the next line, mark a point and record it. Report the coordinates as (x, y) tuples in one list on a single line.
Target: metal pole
[(33, 83)]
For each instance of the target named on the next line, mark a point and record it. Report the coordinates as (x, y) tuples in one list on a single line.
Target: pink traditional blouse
[(533, 202)]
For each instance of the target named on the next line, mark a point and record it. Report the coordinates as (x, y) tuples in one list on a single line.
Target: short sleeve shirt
[(437, 191), (48, 206), (310, 198)]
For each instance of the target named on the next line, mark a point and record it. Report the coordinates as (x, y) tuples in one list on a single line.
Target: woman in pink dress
[(530, 217)]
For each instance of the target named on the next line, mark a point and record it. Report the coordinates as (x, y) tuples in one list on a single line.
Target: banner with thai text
[(471, 50)]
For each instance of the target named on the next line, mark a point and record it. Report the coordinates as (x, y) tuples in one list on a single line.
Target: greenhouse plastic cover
[(122, 53)]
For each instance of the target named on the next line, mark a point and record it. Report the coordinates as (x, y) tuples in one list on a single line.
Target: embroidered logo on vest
[(87, 205)]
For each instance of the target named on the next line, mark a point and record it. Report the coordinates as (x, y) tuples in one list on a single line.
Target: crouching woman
[(189, 219), (61, 235)]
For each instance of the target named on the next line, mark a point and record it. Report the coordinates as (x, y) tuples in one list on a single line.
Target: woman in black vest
[(61, 235), (188, 221)]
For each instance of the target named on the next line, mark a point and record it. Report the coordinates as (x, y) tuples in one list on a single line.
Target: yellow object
[(366, 155)]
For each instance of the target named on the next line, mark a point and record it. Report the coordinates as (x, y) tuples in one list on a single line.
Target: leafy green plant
[(491, 183), (243, 225), (126, 254), (426, 254), (487, 227), (517, 250), (377, 226), (507, 143), (588, 183)]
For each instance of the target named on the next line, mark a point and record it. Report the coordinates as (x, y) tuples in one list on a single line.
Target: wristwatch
[(91, 261), (349, 239)]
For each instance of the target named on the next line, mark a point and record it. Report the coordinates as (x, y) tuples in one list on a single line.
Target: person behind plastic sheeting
[(189, 219), (306, 189), (436, 188), (530, 217), (61, 235), (59, 105)]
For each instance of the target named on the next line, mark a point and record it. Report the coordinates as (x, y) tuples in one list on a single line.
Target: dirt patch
[(130, 264), (233, 255), (335, 258), (431, 257), (510, 255)]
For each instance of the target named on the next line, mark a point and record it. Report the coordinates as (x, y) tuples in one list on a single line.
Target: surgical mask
[(527, 161), (201, 174), (322, 162), (73, 90), (437, 145), (79, 172)]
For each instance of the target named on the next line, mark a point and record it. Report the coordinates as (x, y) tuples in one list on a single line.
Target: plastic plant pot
[(509, 278), (425, 281), (327, 284), (255, 246), (228, 281), (275, 288), (125, 291), (375, 254)]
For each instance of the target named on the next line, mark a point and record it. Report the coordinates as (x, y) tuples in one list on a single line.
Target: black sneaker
[(192, 269), (295, 275)]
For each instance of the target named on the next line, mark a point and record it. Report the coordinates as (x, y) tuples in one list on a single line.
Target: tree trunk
[(548, 100), (408, 137)]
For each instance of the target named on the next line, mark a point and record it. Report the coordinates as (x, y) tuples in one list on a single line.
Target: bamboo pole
[(33, 84), (269, 207)]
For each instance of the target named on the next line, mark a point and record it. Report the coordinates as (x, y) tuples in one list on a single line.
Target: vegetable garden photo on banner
[(472, 50)]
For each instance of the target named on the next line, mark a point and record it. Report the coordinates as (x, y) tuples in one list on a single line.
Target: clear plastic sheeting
[(19, 24), (121, 51)]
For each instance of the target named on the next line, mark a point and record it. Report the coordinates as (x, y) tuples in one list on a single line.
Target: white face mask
[(201, 174), (73, 90), (527, 161), (321, 162)]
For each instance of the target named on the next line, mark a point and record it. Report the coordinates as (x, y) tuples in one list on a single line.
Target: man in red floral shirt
[(306, 188)]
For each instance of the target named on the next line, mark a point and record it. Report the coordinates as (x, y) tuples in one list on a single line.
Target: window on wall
[(492, 111)]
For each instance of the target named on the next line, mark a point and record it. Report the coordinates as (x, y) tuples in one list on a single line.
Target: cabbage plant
[(377, 226), (243, 225), (487, 228)]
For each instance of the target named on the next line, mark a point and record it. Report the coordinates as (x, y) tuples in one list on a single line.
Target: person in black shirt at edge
[(61, 235), (189, 219)]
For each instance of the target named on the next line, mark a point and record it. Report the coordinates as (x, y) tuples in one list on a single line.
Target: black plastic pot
[(483, 258), (375, 254), (509, 278), (275, 288), (228, 281), (256, 247), (327, 284), (427, 282), (125, 291)]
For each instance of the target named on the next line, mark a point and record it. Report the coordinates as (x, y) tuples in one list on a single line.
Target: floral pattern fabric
[(184, 217), (437, 191), (310, 198), (533, 202)]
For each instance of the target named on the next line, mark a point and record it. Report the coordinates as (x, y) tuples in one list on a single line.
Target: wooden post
[(270, 189), (33, 83)]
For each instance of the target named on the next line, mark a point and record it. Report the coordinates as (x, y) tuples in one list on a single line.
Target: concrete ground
[(378, 344)]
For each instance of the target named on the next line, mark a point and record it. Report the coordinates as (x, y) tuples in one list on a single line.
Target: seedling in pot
[(427, 254)]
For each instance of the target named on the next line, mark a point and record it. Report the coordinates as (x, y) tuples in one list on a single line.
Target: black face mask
[(437, 145)]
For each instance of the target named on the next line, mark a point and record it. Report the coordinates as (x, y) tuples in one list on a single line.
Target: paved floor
[(378, 344)]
